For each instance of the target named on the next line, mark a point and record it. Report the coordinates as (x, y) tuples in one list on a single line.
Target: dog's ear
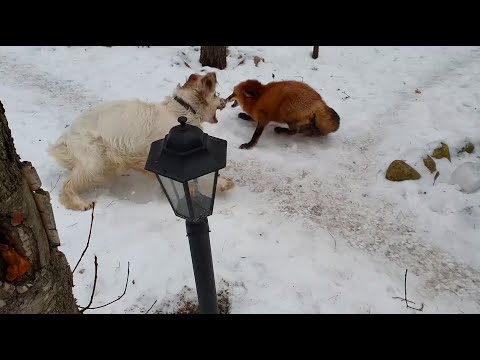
[(209, 83), (210, 80), (212, 75), (190, 81), (192, 77)]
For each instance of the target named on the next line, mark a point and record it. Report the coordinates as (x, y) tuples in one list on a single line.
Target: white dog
[(115, 137)]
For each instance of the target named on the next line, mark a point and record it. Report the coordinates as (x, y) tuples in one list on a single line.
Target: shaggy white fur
[(115, 137)]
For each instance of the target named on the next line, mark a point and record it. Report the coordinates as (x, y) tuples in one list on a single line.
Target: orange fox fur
[(290, 102)]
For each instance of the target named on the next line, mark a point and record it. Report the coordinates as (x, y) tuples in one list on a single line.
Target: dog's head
[(207, 82), (246, 94), (201, 91)]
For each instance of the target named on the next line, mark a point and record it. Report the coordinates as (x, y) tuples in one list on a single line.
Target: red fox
[(290, 102)]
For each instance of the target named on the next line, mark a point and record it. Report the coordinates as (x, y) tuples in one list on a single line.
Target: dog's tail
[(59, 151)]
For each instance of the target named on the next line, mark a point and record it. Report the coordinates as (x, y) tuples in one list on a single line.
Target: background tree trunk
[(315, 52), (28, 237), (214, 56)]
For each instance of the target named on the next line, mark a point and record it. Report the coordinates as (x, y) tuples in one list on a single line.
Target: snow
[(467, 176), (312, 226)]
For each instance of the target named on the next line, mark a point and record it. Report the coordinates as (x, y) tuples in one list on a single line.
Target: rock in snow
[(467, 176)]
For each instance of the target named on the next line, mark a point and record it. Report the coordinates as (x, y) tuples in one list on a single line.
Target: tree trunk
[(214, 56), (35, 277), (315, 52)]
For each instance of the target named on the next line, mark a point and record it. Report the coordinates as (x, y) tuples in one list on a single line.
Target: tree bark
[(315, 52), (35, 277), (214, 56)]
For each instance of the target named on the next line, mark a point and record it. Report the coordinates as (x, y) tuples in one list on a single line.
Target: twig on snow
[(300, 77), (401, 213), (111, 203), (436, 177), (94, 286), (88, 241), (405, 298), (333, 239), (151, 307), (121, 296), (54, 186)]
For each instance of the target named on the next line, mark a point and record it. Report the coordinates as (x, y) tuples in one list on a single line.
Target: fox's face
[(245, 94), (204, 88)]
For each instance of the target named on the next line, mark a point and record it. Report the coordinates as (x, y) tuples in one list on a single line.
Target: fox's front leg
[(256, 135), (245, 116)]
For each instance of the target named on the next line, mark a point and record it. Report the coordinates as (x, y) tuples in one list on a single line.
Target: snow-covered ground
[(313, 226)]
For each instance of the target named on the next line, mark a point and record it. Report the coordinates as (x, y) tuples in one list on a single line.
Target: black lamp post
[(186, 163)]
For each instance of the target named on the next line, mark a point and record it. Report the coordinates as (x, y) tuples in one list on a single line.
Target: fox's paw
[(282, 130), (245, 146), (244, 116)]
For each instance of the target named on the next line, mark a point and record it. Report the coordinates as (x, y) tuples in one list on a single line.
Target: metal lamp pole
[(200, 250), (181, 160)]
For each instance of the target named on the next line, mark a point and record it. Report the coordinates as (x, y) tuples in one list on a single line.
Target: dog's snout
[(213, 120)]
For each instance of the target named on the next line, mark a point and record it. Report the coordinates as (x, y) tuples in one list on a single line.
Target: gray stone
[(22, 289)]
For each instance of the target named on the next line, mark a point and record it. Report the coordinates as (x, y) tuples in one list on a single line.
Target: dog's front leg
[(224, 184)]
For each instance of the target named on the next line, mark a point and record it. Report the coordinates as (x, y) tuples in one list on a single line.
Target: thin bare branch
[(54, 186), (436, 177), (88, 241), (94, 286), (333, 239), (111, 203), (124, 292), (400, 298), (405, 298), (151, 307), (300, 77)]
